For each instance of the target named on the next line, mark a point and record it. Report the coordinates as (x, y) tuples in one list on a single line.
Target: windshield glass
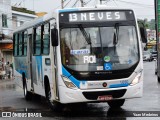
[(99, 48), (146, 52)]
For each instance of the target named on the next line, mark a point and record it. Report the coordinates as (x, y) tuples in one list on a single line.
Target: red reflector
[(104, 84)]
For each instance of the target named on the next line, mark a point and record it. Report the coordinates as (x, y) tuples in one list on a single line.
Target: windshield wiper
[(84, 33), (115, 36)]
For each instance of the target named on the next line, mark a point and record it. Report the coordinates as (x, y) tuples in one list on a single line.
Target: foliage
[(152, 24), (148, 24)]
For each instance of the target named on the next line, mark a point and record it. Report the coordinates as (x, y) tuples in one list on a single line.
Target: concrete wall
[(5, 8), (21, 18)]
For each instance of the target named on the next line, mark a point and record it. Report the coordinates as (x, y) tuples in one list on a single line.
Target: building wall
[(8, 56), (6, 42), (14, 19), (5, 8), (21, 18)]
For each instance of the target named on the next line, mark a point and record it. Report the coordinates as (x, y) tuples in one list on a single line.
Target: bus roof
[(52, 14), (97, 7), (36, 21)]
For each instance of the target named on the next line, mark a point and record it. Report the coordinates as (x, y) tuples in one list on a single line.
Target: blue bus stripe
[(68, 10), (118, 85), (65, 72)]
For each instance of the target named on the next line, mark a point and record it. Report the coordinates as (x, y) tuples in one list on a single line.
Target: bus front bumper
[(91, 95)]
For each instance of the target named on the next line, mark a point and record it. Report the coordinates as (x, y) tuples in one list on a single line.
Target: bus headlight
[(68, 83), (136, 79)]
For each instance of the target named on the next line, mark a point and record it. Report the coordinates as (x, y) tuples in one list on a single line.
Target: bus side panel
[(37, 74), (48, 73), (20, 67)]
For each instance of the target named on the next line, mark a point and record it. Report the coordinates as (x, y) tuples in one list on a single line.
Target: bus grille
[(94, 95)]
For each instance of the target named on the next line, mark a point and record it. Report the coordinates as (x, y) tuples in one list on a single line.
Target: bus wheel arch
[(55, 106), (48, 91), (27, 94), (46, 85)]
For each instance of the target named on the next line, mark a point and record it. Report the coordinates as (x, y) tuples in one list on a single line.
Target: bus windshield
[(99, 48)]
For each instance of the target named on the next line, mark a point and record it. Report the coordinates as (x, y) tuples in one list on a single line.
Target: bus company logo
[(96, 84), (6, 114), (107, 58)]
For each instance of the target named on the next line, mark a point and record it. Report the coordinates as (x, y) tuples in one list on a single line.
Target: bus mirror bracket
[(54, 37), (143, 34), (143, 31)]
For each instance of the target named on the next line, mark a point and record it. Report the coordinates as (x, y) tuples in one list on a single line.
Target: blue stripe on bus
[(21, 71), (39, 66), (118, 85), (65, 72), (73, 79), (68, 10)]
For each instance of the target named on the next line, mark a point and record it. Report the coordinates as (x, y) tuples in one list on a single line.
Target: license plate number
[(105, 98)]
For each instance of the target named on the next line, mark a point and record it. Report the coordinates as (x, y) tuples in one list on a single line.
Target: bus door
[(30, 59), (54, 65)]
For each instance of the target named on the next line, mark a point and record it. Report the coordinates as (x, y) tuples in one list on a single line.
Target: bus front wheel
[(55, 106), (27, 94), (48, 95), (158, 78), (116, 103)]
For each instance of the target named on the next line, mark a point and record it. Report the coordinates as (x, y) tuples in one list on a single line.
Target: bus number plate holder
[(105, 98)]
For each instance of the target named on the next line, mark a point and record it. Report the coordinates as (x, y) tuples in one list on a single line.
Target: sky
[(143, 8)]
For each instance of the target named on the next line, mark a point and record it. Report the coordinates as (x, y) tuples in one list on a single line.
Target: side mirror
[(143, 34), (54, 37)]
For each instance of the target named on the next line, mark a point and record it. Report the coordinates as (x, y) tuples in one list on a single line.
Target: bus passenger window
[(16, 44), (45, 40), (25, 44), (20, 44), (37, 41)]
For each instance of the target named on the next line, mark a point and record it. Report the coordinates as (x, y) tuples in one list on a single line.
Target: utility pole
[(24, 3), (62, 4), (33, 5), (156, 22), (101, 2), (82, 3)]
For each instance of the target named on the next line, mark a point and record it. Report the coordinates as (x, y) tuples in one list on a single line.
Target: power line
[(115, 2), (57, 7), (75, 3), (88, 2), (139, 4), (67, 3), (107, 1), (82, 3)]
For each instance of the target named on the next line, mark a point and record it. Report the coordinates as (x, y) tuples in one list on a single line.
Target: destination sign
[(97, 16)]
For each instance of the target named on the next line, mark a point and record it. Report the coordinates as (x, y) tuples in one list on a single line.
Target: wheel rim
[(49, 97), (25, 90)]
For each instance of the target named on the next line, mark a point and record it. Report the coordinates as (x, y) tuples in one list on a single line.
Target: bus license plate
[(105, 98)]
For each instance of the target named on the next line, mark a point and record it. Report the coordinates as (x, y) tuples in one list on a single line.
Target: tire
[(55, 106), (27, 94), (158, 78), (155, 72), (116, 103)]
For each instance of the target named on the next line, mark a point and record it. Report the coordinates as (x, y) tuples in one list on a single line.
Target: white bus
[(81, 55)]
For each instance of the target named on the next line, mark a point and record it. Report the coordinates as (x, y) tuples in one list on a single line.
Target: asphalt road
[(11, 99)]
